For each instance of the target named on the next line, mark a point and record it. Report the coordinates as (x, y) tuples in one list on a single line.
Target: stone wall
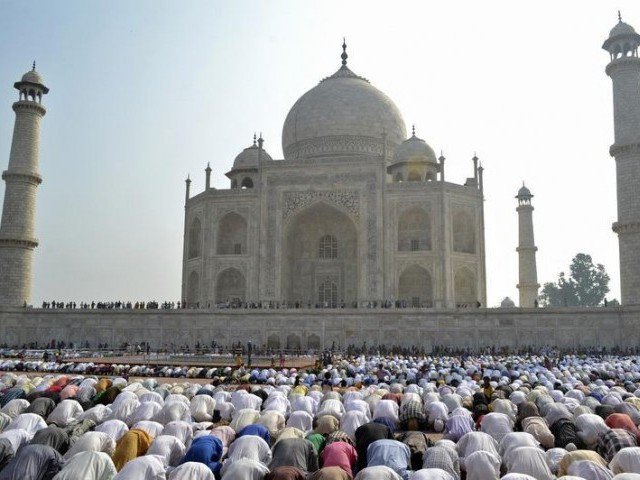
[(566, 327)]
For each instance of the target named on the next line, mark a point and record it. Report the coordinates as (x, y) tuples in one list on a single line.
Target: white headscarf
[(482, 465)]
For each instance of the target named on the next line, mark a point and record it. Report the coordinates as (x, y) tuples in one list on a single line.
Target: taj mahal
[(356, 212), (358, 215)]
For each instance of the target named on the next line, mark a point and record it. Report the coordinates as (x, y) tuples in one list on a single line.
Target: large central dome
[(343, 115)]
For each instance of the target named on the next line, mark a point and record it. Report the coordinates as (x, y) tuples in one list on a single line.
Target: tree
[(586, 286)]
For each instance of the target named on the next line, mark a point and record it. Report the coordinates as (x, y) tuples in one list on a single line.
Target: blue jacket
[(207, 450)]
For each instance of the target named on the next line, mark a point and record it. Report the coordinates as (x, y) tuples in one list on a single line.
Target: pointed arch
[(231, 286), (464, 231), (195, 238), (232, 235), (464, 288), (246, 183), (308, 258), (414, 176), (415, 287), (193, 290), (414, 230)]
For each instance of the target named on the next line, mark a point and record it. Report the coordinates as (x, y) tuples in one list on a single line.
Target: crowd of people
[(238, 304), (113, 305), (380, 417)]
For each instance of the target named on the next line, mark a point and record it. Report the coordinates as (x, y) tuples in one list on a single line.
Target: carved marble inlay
[(348, 200), (334, 144)]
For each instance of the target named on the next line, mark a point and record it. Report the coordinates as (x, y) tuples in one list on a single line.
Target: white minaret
[(624, 70), (17, 230), (528, 273)]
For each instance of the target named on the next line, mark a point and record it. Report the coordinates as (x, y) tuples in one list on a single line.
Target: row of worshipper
[(497, 416)]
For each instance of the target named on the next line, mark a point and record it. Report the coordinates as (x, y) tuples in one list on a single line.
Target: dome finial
[(344, 55), (34, 66), (413, 130), (619, 16), (254, 139)]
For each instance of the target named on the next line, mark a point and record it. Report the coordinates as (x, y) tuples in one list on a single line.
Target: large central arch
[(306, 266)]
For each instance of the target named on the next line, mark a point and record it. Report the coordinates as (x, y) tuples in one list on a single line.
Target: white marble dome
[(248, 158), (414, 149), (621, 28), (343, 115), (33, 77)]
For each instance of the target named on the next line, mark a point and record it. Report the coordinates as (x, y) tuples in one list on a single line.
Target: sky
[(144, 93)]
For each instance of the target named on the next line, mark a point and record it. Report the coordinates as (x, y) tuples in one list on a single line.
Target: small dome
[(33, 77), (414, 149), (343, 115), (621, 29), (507, 303), (248, 158), (524, 192)]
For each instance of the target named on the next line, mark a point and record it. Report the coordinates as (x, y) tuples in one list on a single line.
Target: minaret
[(624, 70), (528, 275), (17, 230)]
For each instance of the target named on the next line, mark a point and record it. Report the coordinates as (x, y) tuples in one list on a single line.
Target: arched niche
[(415, 287), (232, 235), (231, 286), (195, 239), (464, 288), (193, 290), (464, 232), (414, 230)]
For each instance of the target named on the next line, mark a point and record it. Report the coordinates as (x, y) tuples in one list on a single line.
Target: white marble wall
[(566, 327)]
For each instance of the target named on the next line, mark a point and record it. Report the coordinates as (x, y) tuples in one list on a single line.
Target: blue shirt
[(391, 453)]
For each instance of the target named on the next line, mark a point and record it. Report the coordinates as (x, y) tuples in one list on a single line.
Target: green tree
[(586, 286)]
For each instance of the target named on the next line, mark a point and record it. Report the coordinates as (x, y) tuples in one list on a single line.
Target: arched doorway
[(230, 286), (415, 287), (320, 257)]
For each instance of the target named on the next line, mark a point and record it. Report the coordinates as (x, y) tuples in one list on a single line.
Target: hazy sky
[(144, 92)]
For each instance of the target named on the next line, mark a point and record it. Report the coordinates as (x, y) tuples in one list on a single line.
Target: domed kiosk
[(245, 166), (356, 214)]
